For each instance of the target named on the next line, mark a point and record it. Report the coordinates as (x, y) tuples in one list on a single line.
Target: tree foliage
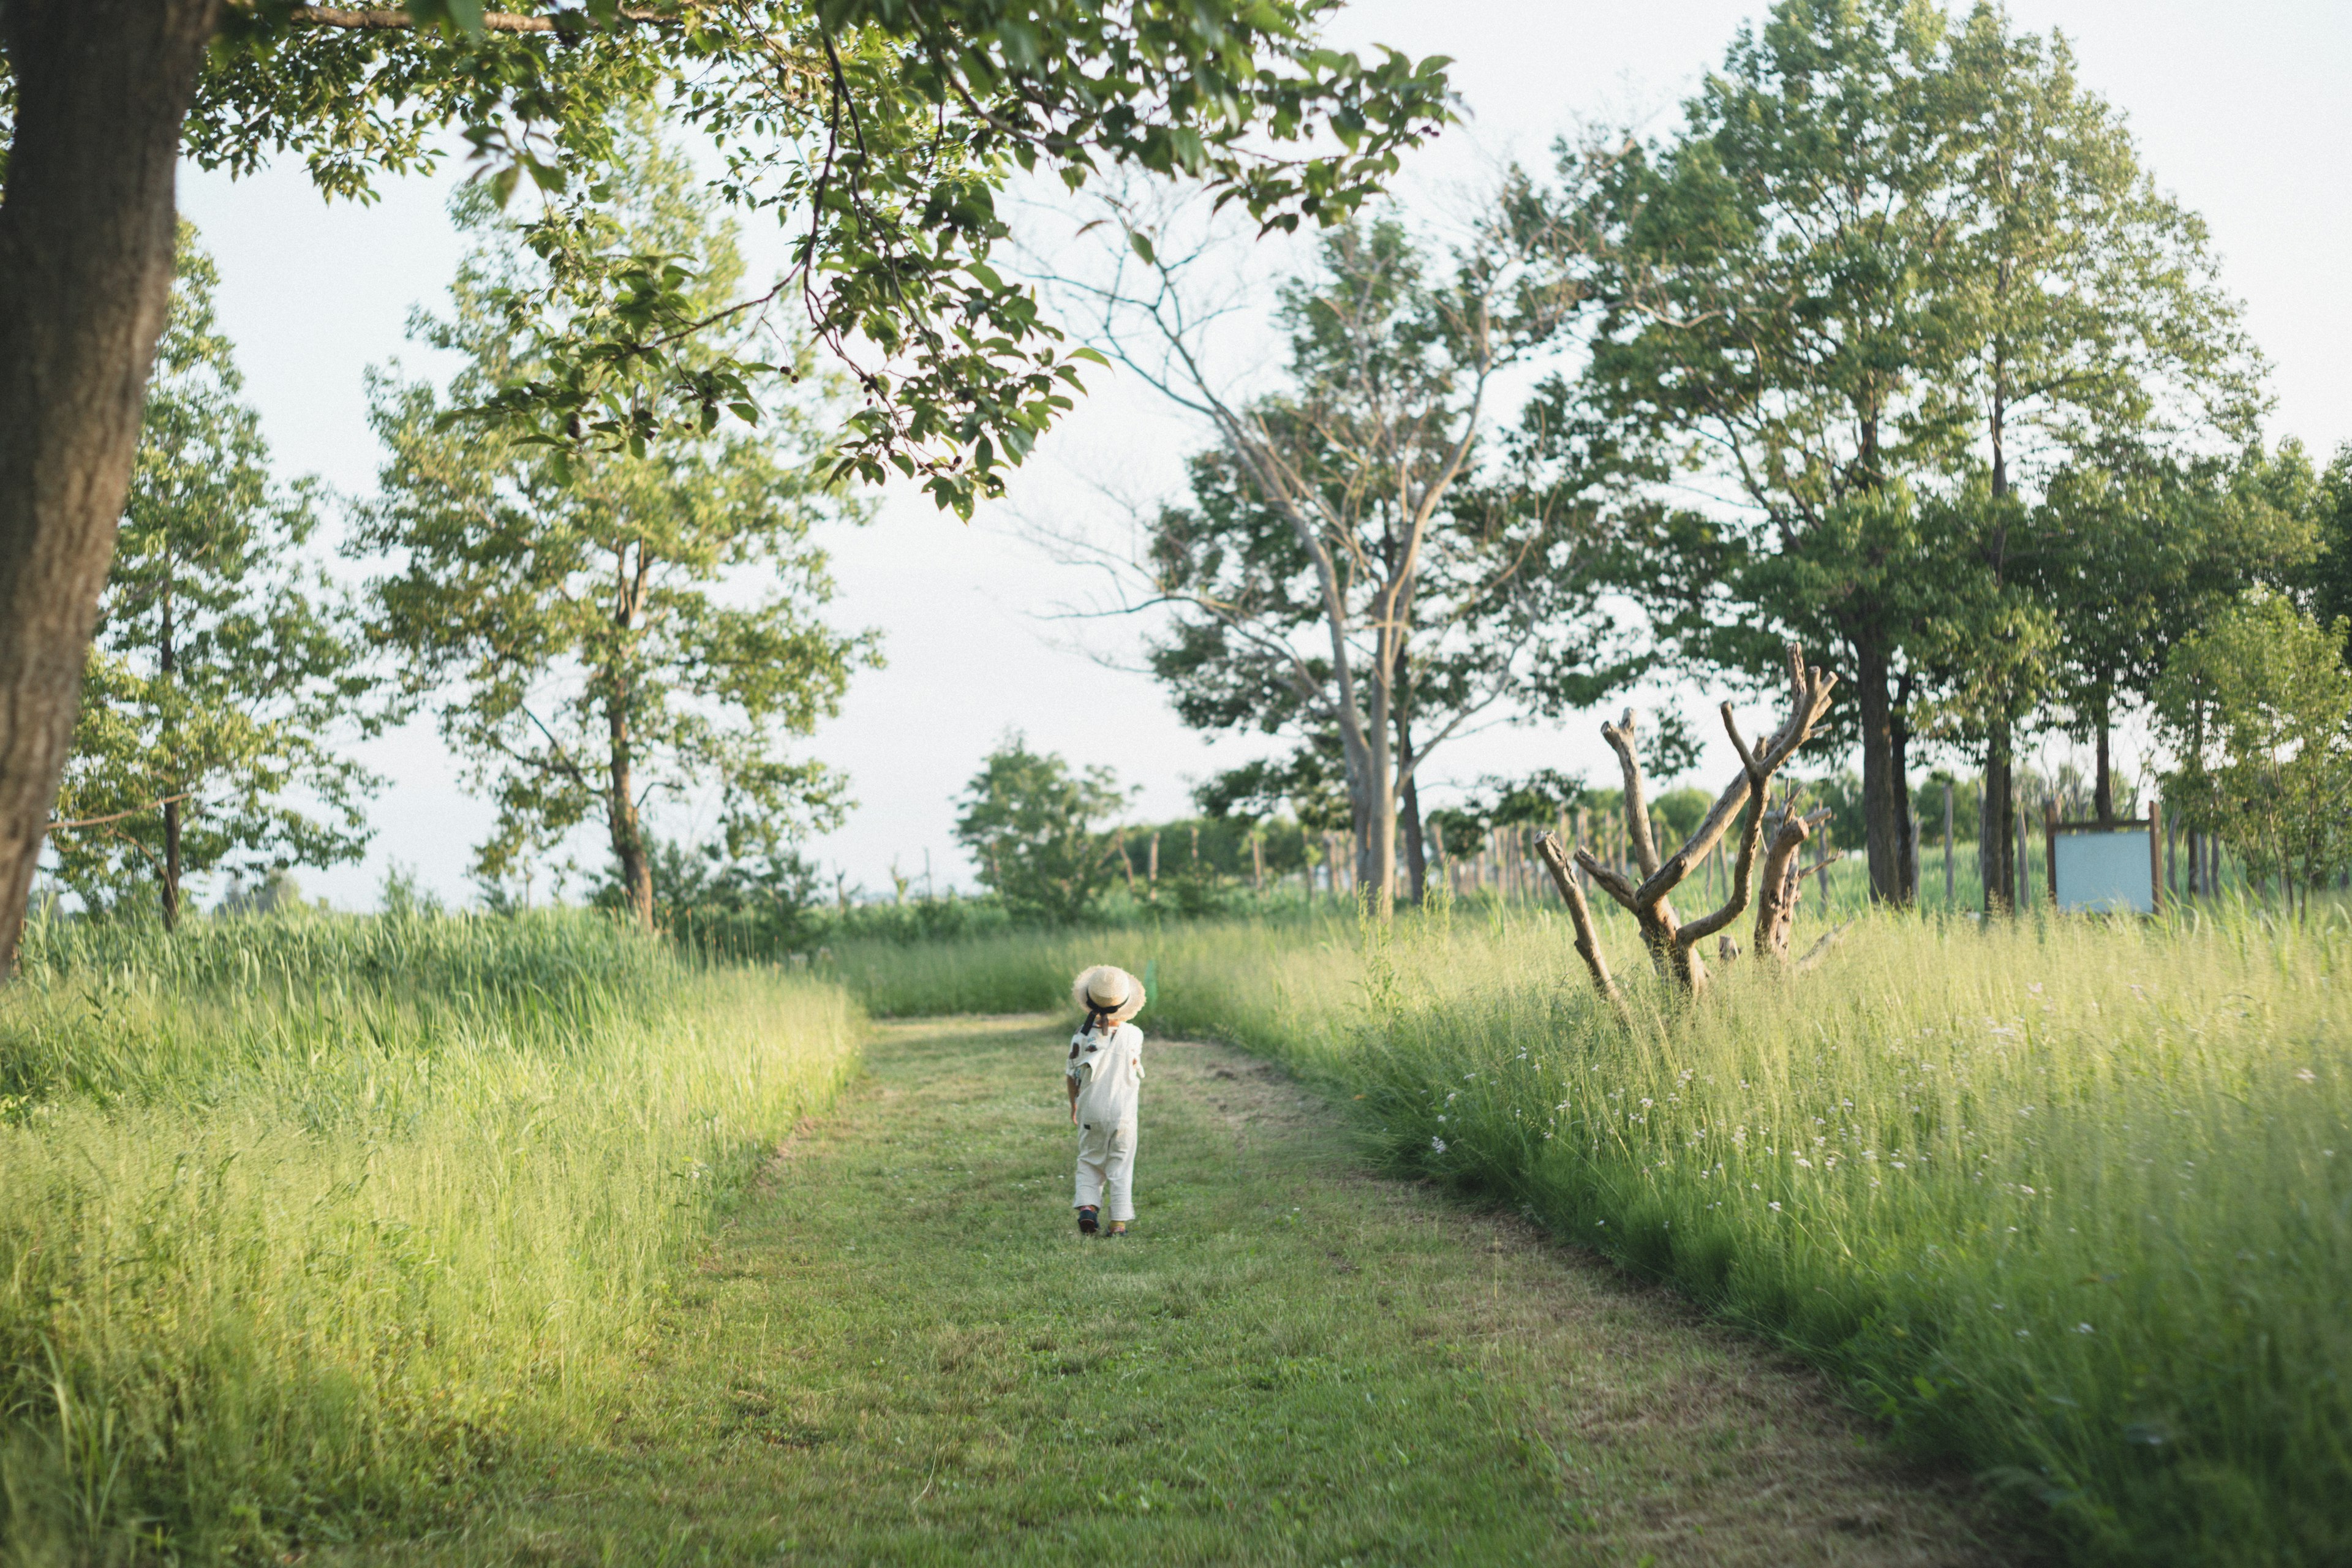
[(1035, 826), (2258, 707), (599, 627), (879, 133), (1897, 282), (224, 681)]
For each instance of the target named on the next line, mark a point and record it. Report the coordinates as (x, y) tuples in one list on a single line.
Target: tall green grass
[(308, 1225), (2070, 1199)]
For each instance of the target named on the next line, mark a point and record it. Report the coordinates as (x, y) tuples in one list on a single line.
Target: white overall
[(1108, 1072)]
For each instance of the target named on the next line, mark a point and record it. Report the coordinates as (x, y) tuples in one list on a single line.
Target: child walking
[(1106, 1081)]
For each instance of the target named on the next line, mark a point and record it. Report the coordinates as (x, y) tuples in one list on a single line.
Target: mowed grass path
[(901, 1352)]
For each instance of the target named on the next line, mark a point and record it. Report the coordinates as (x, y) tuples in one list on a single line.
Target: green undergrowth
[(310, 1226), (2069, 1199)]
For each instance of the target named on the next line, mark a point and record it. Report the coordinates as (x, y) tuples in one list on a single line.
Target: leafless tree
[(1364, 459), (1672, 941)]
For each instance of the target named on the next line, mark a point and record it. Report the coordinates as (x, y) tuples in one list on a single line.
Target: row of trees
[(589, 629), (1893, 348), (876, 134)]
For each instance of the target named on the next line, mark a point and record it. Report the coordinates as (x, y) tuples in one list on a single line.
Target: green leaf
[(1142, 245)]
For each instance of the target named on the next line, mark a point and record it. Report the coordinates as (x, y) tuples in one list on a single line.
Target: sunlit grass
[(2070, 1198), (307, 1225)]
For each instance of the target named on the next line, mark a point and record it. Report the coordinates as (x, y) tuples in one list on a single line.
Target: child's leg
[(1092, 1167), (1119, 1173)]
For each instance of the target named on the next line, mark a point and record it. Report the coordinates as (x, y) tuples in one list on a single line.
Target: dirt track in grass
[(901, 1352)]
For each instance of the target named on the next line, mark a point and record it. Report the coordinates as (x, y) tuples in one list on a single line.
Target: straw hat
[(1108, 989)]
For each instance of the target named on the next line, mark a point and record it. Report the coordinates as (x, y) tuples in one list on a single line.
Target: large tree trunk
[(1879, 785), (86, 231), (1997, 830)]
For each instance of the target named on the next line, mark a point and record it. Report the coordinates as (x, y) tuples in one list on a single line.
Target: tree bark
[(627, 829), (1779, 888), (1878, 787), (1378, 873), (1997, 831), (1416, 851), (2103, 785), (168, 662), (1416, 854), (86, 223), (1588, 942), (1906, 834)]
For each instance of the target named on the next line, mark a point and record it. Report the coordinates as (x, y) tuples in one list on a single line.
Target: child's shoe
[(1087, 1225), (1118, 1228)]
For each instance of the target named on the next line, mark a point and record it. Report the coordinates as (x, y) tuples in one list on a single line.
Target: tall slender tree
[(225, 680), (595, 628)]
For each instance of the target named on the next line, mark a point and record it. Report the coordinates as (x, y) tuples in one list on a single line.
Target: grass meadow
[(310, 1228), (2066, 1199)]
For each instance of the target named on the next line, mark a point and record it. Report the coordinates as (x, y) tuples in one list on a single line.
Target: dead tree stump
[(1673, 942)]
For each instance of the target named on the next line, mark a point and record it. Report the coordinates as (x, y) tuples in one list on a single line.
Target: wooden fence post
[(2154, 853)]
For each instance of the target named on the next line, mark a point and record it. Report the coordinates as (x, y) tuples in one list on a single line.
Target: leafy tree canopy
[(1035, 825), (599, 627), (2258, 707), (879, 132)]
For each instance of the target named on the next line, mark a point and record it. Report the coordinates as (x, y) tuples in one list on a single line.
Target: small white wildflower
[(2307, 1076), (2025, 1333), (1647, 1102), (2085, 1329), (1808, 1164), (1775, 1207), (1438, 1145)]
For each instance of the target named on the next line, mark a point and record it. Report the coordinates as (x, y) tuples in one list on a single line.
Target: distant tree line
[(1892, 348)]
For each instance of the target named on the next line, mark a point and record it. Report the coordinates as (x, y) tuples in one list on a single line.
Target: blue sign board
[(2104, 871)]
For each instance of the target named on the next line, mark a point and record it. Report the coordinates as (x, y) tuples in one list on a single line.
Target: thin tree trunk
[(1378, 875), (1880, 840), (2103, 786), (168, 663), (627, 829), (1998, 829), (87, 224), (1907, 831), (1416, 853)]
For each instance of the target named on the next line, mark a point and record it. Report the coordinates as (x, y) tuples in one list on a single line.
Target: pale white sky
[(2240, 111)]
